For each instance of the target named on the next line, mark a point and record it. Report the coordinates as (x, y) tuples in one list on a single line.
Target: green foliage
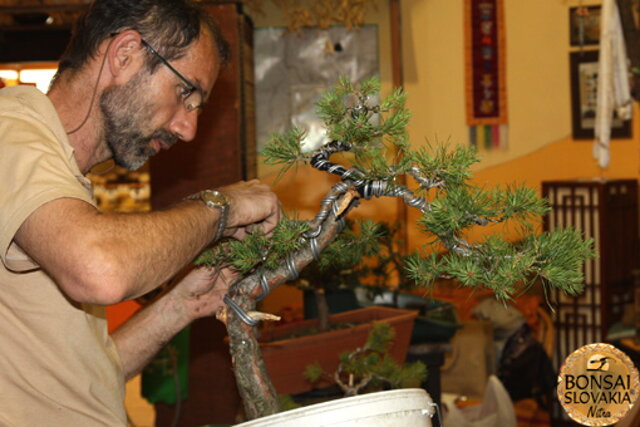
[(341, 263), (451, 208), (286, 403), (385, 267), (380, 338), (556, 258), (460, 207), (560, 257), (350, 116), (440, 165), (313, 372), (284, 150), (257, 250)]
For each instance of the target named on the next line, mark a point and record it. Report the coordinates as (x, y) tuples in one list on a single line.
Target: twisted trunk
[(258, 395)]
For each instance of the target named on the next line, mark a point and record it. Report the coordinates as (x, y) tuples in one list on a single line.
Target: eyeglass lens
[(193, 101)]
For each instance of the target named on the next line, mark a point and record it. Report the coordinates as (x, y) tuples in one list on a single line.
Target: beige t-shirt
[(58, 365)]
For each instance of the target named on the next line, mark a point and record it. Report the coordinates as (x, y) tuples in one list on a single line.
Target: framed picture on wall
[(584, 25), (584, 86)]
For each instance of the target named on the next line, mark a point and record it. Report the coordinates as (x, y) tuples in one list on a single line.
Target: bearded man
[(131, 83)]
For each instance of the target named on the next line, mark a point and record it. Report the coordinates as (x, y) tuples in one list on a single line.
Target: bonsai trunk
[(258, 394), (322, 308)]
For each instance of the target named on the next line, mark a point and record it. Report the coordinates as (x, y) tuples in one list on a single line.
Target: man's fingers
[(249, 202), (270, 222), (228, 275)]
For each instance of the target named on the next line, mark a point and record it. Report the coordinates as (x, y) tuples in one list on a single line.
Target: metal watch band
[(221, 204), (222, 222)]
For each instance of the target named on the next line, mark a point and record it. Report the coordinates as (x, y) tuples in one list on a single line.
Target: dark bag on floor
[(525, 369)]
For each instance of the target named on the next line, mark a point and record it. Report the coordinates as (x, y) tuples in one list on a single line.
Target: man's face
[(148, 113), (127, 114)]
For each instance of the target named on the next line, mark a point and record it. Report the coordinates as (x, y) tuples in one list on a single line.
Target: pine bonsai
[(372, 138)]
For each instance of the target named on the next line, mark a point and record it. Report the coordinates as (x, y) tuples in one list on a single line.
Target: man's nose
[(185, 124)]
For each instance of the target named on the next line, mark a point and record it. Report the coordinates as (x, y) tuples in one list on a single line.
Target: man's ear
[(125, 55)]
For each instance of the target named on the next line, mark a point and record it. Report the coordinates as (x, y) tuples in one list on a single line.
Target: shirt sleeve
[(34, 169)]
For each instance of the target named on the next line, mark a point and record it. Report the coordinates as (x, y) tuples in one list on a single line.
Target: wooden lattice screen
[(607, 211)]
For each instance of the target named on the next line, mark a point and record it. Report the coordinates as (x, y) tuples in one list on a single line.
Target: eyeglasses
[(190, 95)]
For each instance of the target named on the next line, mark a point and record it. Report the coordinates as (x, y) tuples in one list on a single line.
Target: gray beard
[(125, 113)]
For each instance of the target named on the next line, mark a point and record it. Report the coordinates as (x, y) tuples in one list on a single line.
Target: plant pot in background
[(286, 358), (436, 322)]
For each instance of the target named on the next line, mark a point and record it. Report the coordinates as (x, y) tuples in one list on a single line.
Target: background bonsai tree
[(378, 161), (364, 253), (353, 257), (370, 367)]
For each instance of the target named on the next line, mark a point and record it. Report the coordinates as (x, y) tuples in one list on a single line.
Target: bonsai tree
[(378, 161), (371, 367)]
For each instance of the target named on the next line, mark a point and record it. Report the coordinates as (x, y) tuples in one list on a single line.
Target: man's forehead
[(203, 63)]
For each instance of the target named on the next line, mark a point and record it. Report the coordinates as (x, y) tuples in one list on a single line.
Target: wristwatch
[(215, 200)]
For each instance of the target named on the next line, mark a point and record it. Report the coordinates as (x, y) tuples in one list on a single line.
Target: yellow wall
[(540, 146), (536, 70), (538, 90)]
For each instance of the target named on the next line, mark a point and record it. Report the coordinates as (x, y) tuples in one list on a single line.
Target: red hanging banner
[(485, 72)]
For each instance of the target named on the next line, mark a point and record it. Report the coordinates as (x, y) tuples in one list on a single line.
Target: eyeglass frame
[(190, 86)]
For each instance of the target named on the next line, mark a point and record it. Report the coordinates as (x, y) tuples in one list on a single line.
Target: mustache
[(165, 136)]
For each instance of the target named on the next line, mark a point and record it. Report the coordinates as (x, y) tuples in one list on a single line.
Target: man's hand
[(201, 291), (198, 294), (251, 204)]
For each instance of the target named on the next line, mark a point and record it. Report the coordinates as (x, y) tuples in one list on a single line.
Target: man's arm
[(197, 295), (105, 258)]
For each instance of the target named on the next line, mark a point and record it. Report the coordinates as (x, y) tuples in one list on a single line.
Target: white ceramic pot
[(410, 407)]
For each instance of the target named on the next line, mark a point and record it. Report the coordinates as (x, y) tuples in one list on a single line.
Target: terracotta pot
[(287, 359)]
